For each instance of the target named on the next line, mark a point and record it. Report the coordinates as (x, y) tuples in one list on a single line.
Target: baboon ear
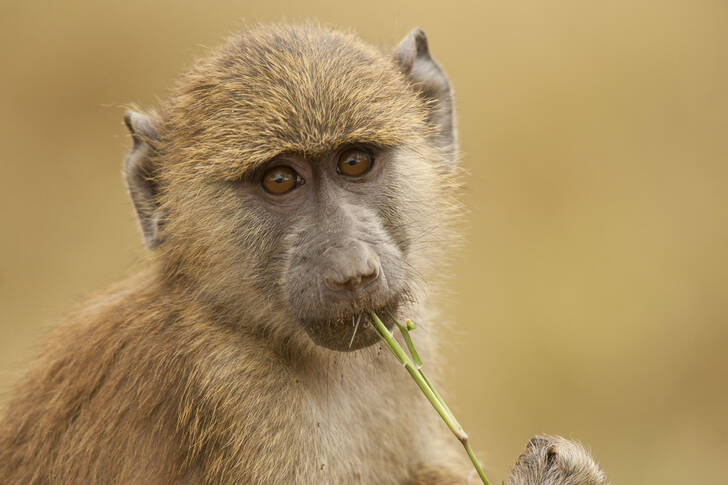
[(139, 176), (415, 61)]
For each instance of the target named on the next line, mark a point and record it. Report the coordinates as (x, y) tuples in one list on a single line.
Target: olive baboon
[(294, 178)]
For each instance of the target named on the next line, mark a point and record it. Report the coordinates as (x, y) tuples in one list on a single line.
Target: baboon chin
[(295, 179)]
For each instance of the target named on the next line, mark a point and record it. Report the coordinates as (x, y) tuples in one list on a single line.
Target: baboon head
[(298, 177)]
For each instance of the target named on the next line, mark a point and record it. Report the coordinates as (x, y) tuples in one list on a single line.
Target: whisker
[(356, 327)]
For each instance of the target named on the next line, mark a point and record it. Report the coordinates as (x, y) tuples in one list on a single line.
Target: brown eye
[(281, 180), (354, 163)]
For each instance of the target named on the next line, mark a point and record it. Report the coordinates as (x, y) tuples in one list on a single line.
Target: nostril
[(369, 277)]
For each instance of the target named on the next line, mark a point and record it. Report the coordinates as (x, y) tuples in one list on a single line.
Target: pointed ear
[(414, 60), (139, 176)]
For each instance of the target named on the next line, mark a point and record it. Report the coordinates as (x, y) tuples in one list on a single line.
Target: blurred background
[(590, 296)]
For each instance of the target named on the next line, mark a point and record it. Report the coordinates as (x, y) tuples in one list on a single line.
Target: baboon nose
[(353, 280), (351, 267)]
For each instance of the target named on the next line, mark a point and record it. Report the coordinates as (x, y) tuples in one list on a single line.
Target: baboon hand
[(552, 460)]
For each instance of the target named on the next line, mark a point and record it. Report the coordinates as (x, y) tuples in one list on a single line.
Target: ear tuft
[(140, 177)]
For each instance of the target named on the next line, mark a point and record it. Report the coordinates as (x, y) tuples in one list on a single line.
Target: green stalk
[(415, 371), (404, 330), (399, 352), (437, 394), (408, 340)]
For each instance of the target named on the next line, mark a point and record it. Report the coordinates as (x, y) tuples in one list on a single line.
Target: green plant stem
[(415, 371), (418, 362), (476, 462), (405, 331), (408, 340)]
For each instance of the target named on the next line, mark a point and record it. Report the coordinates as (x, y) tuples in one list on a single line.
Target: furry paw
[(552, 460)]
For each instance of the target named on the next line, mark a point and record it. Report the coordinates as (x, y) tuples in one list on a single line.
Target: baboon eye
[(354, 163), (281, 180)]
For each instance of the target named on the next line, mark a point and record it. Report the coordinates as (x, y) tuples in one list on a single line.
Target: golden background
[(590, 297)]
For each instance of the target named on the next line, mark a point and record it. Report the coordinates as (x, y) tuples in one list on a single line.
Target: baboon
[(294, 179)]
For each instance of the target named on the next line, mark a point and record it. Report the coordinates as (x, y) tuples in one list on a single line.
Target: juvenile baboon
[(295, 178)]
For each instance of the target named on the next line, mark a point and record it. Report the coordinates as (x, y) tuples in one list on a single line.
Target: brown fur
[(194, 370)]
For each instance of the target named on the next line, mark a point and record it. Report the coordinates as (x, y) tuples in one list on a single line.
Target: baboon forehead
[(279, 89)]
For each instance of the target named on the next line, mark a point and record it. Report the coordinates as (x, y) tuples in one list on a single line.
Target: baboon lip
[(349, 331)]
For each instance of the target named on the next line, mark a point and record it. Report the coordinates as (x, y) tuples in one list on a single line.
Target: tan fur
[(189, 372)]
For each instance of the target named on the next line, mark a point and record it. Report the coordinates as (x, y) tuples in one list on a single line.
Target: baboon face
[(338, 241), (298, 179)]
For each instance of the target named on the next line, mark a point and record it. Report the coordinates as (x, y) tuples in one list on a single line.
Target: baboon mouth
[(350, 330)]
